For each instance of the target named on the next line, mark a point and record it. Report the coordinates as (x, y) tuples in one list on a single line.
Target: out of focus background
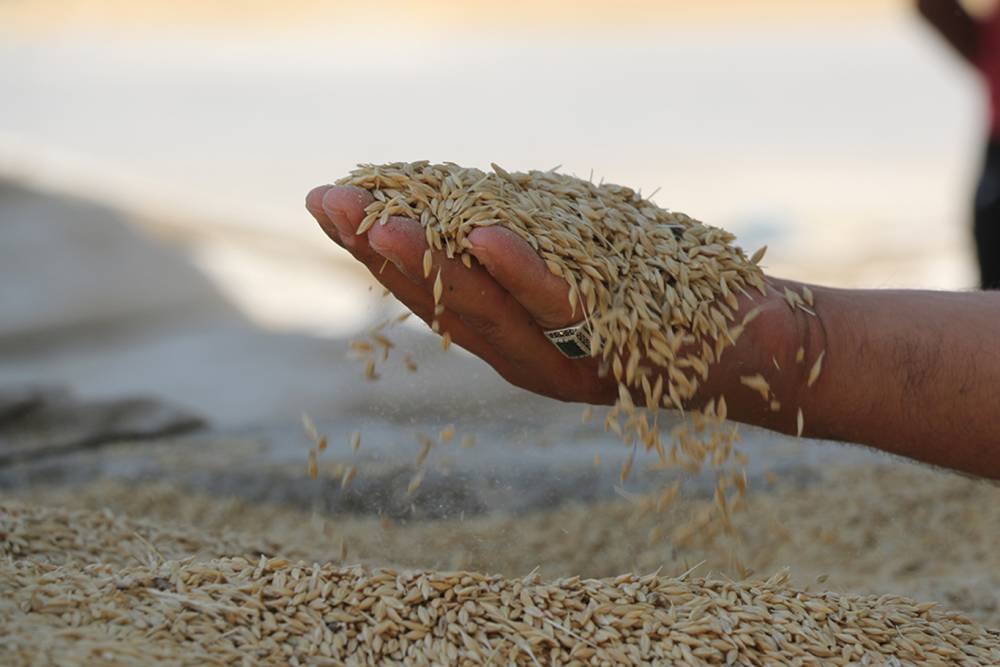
[(159, 273), (844, 135)]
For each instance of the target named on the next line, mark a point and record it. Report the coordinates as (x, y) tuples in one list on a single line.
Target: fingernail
[(387, 251), (343, 225), (382, 249), (314, 200), (482, 254)]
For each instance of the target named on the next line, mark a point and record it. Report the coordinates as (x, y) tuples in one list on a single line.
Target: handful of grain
[(657, 288)]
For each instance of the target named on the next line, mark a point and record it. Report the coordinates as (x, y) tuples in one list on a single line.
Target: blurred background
[(158, 270), (842, 134)]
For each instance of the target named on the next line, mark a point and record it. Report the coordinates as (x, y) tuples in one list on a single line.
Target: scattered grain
[(313, 467), (817, 367), (758, 384), (660, 290)]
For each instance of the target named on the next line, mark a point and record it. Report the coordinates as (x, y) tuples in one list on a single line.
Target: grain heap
[(659, 290), (248, 610), (893, 527)]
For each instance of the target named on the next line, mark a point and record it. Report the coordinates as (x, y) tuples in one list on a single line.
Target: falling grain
[(348, 476), (310, 428), (415, 482), (662, 293), (313, 467), (817, 367), (438, 288), (426, 444), (428, 263), (757, 383), (627, 467), (362, 346), (383, 341)]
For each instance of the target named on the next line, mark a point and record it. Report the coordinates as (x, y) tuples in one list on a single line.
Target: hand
[(499, 308)]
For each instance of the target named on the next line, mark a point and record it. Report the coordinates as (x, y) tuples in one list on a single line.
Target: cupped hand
[(499, 308)]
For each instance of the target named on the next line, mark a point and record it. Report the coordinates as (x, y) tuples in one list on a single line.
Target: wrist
[(779, 345)]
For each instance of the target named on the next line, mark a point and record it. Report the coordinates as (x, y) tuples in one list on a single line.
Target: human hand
[(498, 309)]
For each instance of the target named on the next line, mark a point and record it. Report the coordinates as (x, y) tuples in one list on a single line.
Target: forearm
[(910, 372), (955, 24)]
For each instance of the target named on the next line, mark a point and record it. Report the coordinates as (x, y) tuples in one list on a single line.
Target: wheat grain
[(438, 288), (310, 427), (757, 383), (817, 367), (415, 482), (313, 468), (428, 263), (659, 290), (76, 591), (347, 476)]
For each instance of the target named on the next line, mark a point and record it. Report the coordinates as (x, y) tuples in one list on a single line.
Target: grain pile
[(659, 291), (921, 533), (245, 610)]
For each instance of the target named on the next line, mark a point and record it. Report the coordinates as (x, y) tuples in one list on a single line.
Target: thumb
[(518, 269)]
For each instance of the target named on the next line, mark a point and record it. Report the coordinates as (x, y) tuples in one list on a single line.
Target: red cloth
[(989, 65)]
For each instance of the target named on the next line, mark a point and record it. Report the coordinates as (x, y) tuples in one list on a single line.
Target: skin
[(914, 373), (955, 24)]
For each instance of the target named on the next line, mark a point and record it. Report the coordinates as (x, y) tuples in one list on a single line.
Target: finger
[(344, 208), (489, 310), (314, 204), (493, 325), (469, 292), (421, 303), (339, 210), (518, 269)]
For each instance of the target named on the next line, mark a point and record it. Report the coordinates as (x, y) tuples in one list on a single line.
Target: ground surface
[(885, 527)]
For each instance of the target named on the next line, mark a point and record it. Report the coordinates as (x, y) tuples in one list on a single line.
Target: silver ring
[(573, 342)]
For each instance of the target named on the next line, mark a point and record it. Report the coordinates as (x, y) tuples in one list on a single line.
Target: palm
[(499, 308)]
